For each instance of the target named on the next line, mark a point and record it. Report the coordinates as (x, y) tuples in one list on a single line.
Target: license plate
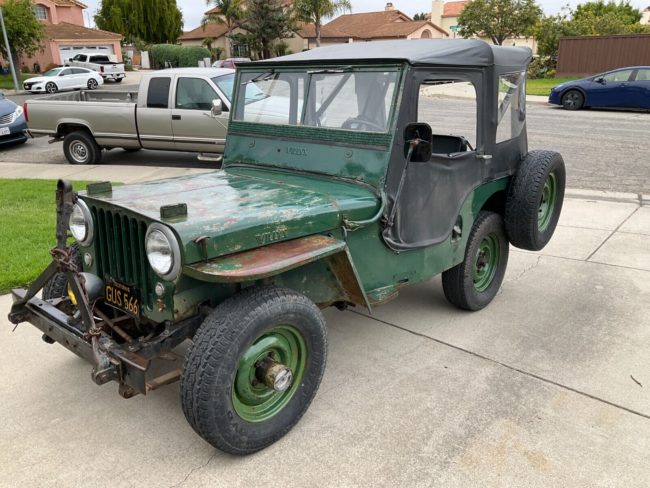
[(123, 297), (4, 131)]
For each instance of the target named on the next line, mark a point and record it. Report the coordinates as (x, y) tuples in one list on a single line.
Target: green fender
[(276, 259)]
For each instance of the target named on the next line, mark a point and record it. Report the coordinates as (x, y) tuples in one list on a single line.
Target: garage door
[(68, 52)]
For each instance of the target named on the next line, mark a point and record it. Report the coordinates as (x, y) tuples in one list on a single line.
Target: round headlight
[(81, 224), (163, 251)]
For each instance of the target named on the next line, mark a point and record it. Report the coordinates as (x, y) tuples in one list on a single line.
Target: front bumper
[(18, 133), (131, 365)]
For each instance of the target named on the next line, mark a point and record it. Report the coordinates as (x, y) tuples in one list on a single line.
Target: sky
[(193, 9)]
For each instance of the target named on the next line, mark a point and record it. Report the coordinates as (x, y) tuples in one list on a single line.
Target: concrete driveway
[(548, 386)]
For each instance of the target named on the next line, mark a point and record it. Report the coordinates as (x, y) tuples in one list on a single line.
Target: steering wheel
[(357, 123)]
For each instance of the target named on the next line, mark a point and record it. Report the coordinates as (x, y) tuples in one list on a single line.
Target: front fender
[(280, 258)]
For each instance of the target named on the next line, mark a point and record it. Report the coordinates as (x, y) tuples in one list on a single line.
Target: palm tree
[(229, 12), (314, 11)]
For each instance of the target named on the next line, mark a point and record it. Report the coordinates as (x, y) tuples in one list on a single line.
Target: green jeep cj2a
[(339, 187)]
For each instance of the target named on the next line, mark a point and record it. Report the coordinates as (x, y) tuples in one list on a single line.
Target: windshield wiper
[(263, 77)]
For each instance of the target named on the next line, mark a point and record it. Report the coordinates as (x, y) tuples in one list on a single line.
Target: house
[(387, 24), (446, 14), (645, 16), (66, 34), (216, 35), (328, 35)]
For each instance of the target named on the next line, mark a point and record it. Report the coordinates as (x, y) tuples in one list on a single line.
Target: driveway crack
[(194, 470)]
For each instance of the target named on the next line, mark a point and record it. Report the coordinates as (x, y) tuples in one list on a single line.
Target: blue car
[(13, 126), (621, 88)]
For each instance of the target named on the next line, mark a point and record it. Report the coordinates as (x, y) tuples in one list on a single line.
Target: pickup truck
[(183, 109), (101, 63)]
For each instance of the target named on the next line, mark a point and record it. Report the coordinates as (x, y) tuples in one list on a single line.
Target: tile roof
[(379, 25), (454, 9), (308, 31), (73, 32), (211, 29)]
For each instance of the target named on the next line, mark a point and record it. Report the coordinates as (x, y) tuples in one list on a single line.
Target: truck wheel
[(118, 80), (534, 200), (254, 368), (92, 84), (51, 88), (57, 287), (573, 100), (473, 284), (80, 147)]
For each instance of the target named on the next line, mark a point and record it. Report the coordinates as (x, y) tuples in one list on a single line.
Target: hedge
[(177, 56)]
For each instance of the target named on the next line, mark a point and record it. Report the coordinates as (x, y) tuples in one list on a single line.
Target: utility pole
[(8, 48)]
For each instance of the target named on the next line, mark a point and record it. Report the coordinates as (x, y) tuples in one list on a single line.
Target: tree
[(420, 16), (230, 13), (266, 21), (152, 21), (499, 19), (314, 11), (24, 31)]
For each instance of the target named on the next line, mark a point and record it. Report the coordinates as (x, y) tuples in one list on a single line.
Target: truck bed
[(92, 96)]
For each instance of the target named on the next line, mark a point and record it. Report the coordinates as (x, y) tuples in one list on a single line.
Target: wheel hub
[(274, 375), (79, 152), (486, 262)]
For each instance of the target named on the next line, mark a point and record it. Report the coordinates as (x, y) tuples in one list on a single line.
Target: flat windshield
[(226, 84), (336, 99), (53, 72)]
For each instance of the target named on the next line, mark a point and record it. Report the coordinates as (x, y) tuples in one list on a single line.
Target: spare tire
[(534, 201)]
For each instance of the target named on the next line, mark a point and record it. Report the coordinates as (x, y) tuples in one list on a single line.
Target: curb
[(607, 196)]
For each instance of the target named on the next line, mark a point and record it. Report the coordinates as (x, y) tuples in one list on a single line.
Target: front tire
[(80, 147), (51, 88), (57, 287), (92, 84), (227, 391), (573, 100), (473, 284)]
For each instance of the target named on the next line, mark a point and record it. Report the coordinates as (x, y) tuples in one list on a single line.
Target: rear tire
[(119, 80), (472, 284), (534, 201), (223, 394), (573, 100), (80, 147), (92, 84)]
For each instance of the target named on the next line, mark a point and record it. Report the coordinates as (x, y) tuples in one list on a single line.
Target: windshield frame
[(312, 69)]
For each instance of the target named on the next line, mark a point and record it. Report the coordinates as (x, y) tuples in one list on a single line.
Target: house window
[(40, 12)]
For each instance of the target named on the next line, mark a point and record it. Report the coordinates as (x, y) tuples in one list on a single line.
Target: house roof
[(308, 31), (447, 52), (210, 29), (454, 9), (73, 32), (379, 25)]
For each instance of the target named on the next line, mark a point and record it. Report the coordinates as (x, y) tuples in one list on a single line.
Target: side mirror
[(600, 80), (217, 108), (419, 136)]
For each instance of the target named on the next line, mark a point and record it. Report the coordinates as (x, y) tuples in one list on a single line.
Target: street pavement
[(548, 386)]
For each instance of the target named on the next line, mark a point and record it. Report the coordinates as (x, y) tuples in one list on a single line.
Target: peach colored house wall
[(71, 15)]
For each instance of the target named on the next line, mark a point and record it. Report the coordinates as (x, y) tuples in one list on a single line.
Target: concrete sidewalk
[(548, 386)]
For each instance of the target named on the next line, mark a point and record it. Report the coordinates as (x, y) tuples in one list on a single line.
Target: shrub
[(177, 56), (25, 69), (128, 67)]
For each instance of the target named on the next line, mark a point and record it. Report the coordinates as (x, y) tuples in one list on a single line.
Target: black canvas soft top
[(446, 52)]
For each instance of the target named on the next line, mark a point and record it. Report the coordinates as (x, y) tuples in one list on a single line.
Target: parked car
[(620, 88), (345, 202), (230, 62), (64, 78), (101, 63), (12, 122)]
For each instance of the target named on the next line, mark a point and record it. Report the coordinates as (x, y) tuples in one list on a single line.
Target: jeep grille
[(120, 250)]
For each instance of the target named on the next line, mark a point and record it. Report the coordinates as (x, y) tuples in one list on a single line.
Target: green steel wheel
[(253, 369), (547, 205), (534, 200), (472, 284)]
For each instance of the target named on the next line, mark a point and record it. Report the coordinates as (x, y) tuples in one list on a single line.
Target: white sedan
[(65, 78)]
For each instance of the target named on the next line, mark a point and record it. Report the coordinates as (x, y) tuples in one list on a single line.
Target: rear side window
[(511, 114), (79, 71), (158, 95), (643, 75), (99, 59)]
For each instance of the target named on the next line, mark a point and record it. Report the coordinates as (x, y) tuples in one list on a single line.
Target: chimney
[(389, 7), (437, 9)]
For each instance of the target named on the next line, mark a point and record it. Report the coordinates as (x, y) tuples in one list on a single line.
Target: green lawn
[(7, 82), (27, 226), (543, 86)]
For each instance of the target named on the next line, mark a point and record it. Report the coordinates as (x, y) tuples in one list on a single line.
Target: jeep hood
[(242, 208)]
